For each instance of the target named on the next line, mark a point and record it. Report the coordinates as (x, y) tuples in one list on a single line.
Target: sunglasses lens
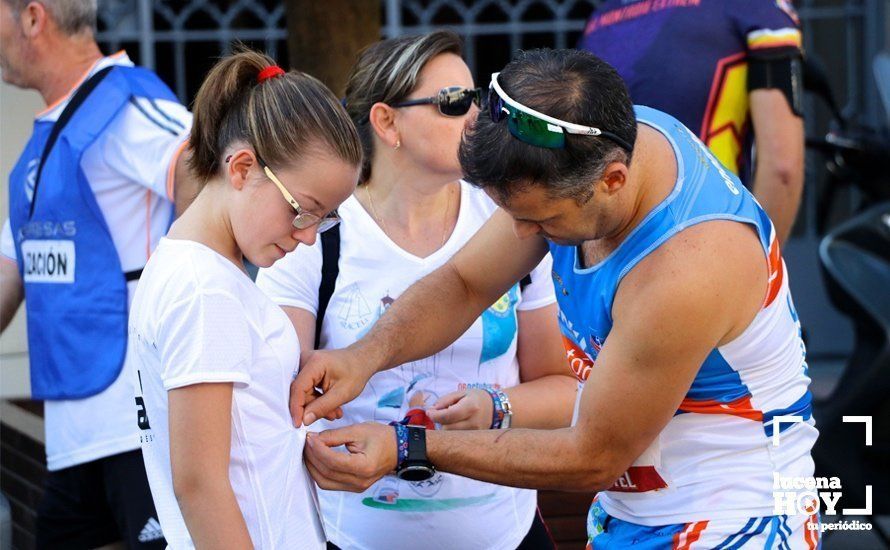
[(525, 127), (534, 131), (456, 104), (495, 106), (477, 97)]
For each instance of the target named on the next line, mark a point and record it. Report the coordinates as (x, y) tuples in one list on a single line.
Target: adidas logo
[(151, 531)]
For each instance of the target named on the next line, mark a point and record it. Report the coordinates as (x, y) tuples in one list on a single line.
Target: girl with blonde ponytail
[(277, 154)]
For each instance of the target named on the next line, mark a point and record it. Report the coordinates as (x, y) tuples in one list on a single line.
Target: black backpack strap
[(330, 268), (527, 280), (76, 101)]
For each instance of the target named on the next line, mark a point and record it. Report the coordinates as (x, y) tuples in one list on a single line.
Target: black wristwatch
[(417, 467)]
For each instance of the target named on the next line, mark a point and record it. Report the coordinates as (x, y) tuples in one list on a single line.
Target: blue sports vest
[(705, 190), (75, 288), (727, 417)]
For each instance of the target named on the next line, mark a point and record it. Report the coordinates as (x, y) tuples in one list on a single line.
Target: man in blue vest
[(89, 199)]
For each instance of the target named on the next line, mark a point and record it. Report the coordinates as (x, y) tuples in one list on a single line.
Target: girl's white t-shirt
[(196, 318), (446, 511)]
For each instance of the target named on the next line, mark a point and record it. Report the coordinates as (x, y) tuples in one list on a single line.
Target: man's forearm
[(534, 459), (779, 161), (409, 330), (543, 403), (779, 193), (8, 309), (11, 291)]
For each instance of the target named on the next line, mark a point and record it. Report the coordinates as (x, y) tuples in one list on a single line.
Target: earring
[(398, 144)]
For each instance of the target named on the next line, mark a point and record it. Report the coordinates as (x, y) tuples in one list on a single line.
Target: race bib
[(47, 261)]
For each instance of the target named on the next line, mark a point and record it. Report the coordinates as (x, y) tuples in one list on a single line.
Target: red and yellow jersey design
[(725, 123)]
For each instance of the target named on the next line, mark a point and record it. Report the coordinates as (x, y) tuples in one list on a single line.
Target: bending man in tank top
[(674, 310)]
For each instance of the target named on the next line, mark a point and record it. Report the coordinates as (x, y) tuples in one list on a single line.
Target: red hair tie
[(269, 72)]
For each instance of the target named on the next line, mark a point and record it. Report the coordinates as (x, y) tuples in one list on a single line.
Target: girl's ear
[(238, 166)]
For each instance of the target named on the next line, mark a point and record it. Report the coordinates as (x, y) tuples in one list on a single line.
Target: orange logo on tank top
[(579, 361)]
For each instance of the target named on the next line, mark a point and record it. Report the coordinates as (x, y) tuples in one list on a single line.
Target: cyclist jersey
[(715, 458), (689, 58)]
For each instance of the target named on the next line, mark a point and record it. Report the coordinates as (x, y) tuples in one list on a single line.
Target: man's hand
[(372, 455), (340, 374), (463, 410)]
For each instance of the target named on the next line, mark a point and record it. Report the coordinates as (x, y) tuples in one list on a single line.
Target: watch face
[(416, 473)]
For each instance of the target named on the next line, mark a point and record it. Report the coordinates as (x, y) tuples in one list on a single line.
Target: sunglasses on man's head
[(451, 101), (535, 128)]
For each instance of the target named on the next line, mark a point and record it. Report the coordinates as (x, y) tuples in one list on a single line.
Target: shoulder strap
[(76, 101), (330, 268), (527, 280)]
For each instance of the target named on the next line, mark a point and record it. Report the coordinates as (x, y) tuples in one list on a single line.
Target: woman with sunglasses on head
[(276, 153), (411, 98)]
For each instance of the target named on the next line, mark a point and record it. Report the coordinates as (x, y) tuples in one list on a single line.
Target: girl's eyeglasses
[(303, 219), (451, 101), (535, 128)]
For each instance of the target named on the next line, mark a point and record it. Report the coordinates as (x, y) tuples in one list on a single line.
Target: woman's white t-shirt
[(446, 511), (197, 318)]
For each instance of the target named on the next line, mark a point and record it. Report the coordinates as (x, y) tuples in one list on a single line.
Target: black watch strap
[(417, 444), (417, 467)]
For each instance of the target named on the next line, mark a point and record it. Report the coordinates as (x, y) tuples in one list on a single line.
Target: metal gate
[(159, 32)]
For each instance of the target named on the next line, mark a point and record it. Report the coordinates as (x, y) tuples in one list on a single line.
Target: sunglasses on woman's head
[(535, 128), (451, 101)]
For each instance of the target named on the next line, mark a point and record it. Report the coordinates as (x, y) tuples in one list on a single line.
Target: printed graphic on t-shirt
[(145, 434), (356, 301), (499, 326), (355, 313), (416, 386), (388, 496)]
